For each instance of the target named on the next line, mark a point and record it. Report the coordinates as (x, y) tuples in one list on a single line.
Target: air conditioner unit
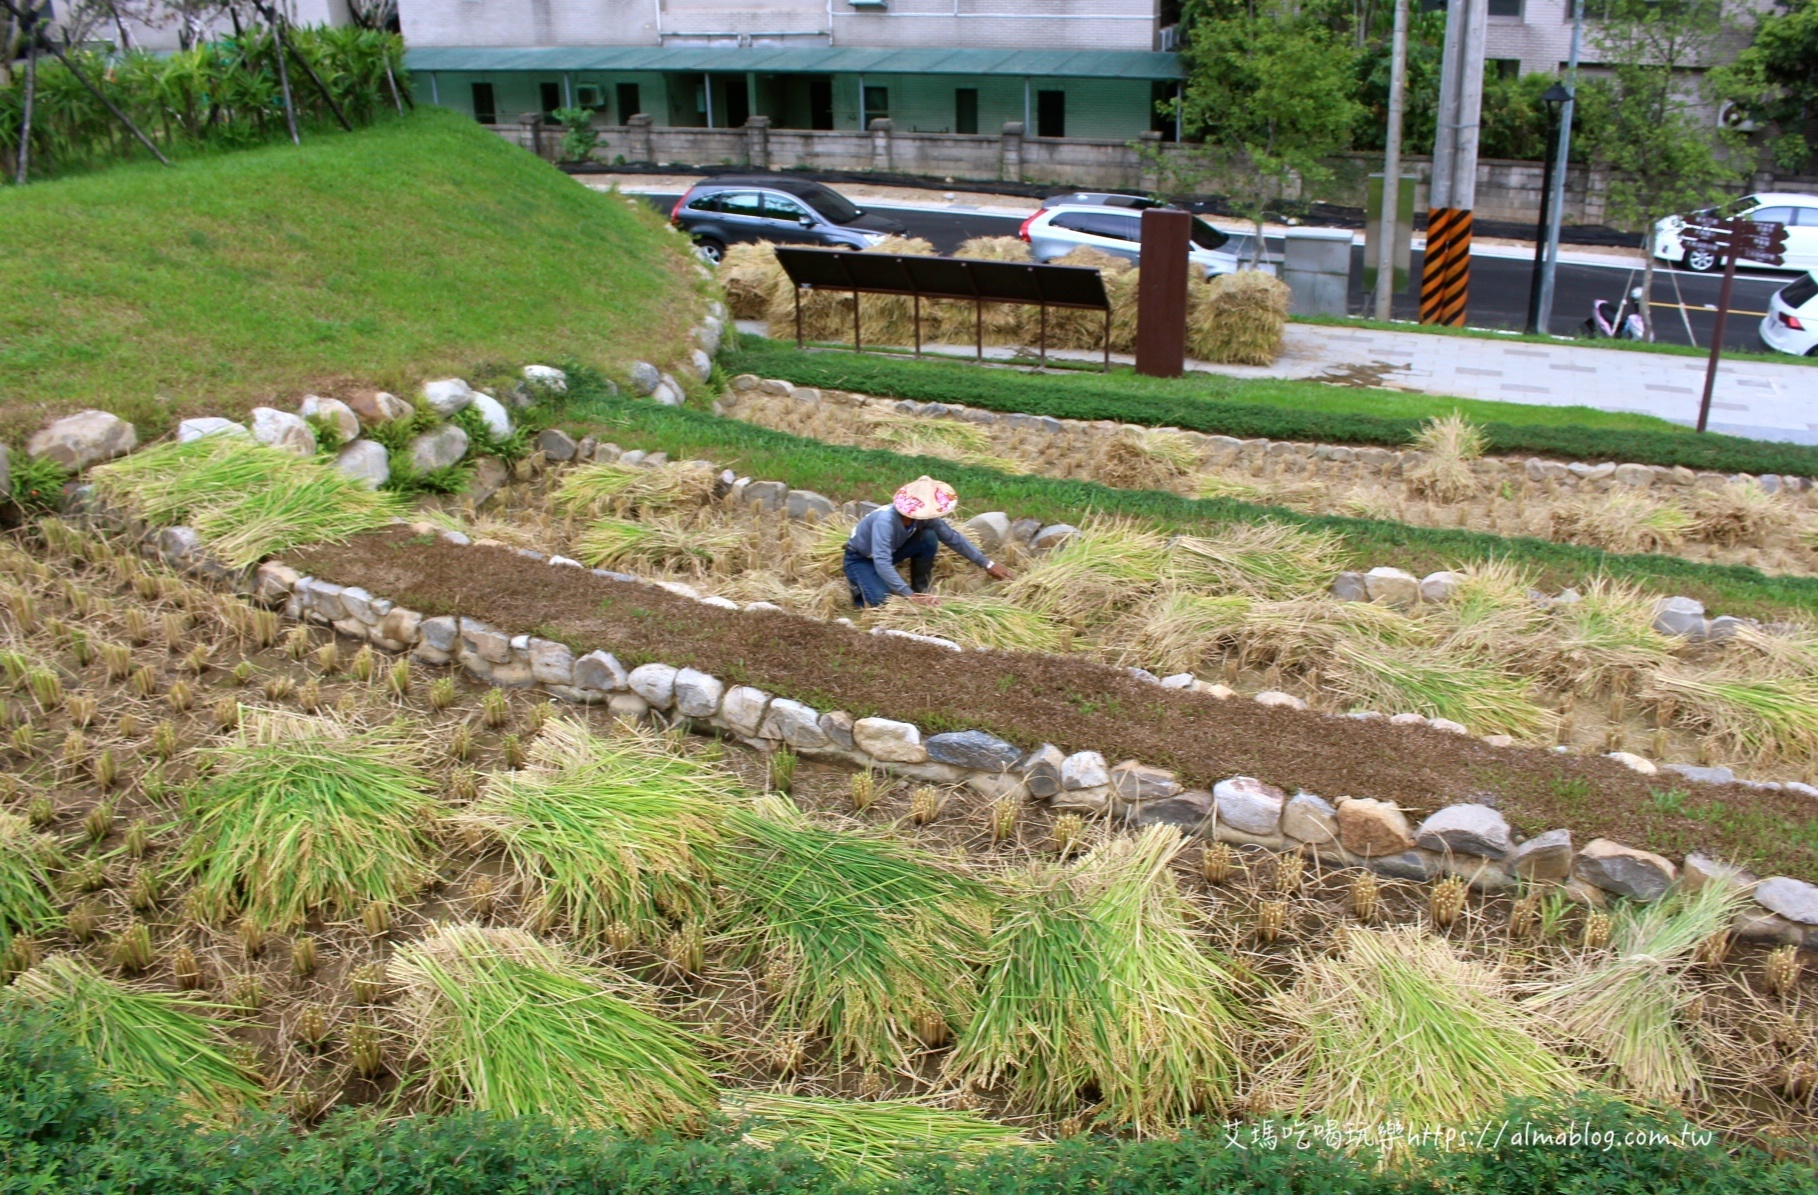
[(872, 5), (589, 95)]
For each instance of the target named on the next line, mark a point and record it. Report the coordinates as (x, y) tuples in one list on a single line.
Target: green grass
[(421, 247), (842, 472), (1274, 408)]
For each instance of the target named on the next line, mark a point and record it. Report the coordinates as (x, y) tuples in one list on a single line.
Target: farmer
[(911, 528)]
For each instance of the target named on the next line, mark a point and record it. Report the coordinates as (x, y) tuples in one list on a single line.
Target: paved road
[(1499, 285)]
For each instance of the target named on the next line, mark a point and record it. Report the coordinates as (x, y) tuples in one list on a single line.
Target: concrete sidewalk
[(1764, 400)]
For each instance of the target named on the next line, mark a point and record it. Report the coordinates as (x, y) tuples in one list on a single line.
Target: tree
[(1646, 120), (1775, 81), (1271, 94)]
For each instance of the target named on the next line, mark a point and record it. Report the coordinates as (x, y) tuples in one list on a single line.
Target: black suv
[(721, 211)]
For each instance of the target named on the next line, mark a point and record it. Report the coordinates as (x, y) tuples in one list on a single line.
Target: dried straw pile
[(827, 315), (1237, 319), (750, 275)]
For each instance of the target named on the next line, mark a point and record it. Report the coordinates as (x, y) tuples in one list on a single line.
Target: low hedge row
[(843, 472), (63, 1130), (1216, 405)]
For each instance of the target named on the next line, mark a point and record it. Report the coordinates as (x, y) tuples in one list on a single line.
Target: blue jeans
[(868, 588)]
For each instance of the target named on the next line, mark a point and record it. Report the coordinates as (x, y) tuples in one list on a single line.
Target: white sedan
[(1798, 212), (1791, 322)]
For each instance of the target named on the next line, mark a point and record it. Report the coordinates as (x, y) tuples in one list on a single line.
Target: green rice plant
[(861, 1138), (1180, 632), (148, 1043), (1177, 1009), (1110, 565), (980, 620), (1482, 697), (1603, 639), (1629, 1007), (655, 543), (1448, 444), (246, 500), (300, 816), (608, 831), (515, 1027), (861, 939), (607, 487), (1493, 611), (26, 893), (1399, 1026), (1264, 560), (1749, 712)]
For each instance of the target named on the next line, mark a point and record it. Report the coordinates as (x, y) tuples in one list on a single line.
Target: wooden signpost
[(1759, 241)]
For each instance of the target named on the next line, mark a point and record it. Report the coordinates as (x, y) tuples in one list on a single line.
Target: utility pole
[(1391, 165), (1445, 277), (1557, 199)]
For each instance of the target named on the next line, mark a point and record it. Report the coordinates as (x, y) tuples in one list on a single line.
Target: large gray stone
[(1053, 536), (1084, 769), (551, 663), (1247, 804), (545, 377), (365, 461), (987, 531), (481, 641), (1188, 812), (601, 672), (363, 607), (1134, 782), (1624, 870), (1700, 869), (376, 406), (80, 440), (1466, 830), (1679, 616), (438, 448), (837, 726), (492, 414), (1439, 587), (1310, 819), (973, 749), (556, 444), (445, 396), (281, 429), (209, 425), (697, 695), (800, 504), (1392, 586), (796, 724), (767, 495), (645, 378), (1370, 828), (1350, 587), (889, 741), (655, 683), (336, 414), (1544, 858), (1417, 865), (439, 632), (1042, 771), (1701, 775), (743, 709), (1793, 899)]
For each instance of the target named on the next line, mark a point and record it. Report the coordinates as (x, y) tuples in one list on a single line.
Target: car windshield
[(1207, 237), (1736, 207), (832, 204)]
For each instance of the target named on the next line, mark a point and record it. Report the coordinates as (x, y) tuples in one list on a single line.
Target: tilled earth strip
[(1030, 699)]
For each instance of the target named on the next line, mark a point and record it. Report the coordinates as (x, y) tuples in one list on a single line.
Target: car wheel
[(712, 249), (1812, 352), (1702, 260)]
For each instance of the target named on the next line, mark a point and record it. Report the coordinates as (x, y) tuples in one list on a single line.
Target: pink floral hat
[(925, 498)]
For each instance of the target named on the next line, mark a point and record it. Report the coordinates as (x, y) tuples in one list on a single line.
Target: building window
[(1504, 68), (552, 96), (1050, 114), (629, 103), (1505, 8), (965, 110), (485, 109), (877, 104)]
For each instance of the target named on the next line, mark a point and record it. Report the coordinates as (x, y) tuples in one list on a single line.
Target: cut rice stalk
[(607, 487), (655, 543), (1622, 520), (1486, 699), (1180, 632), (146, 1043), (1305, 632), (1448, 444), (1109, 565), (1739, 512), (1492, 610), (1604, 638), (1265, 560), (862, 1138), (605, 833), (26, 905), (1399, 1026), (302, 815), (976, 621), (864, 940), (1629, 1007), (1754, 714), (517, 1028)]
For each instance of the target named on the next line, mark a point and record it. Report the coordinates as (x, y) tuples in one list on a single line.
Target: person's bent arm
[(957, 540)]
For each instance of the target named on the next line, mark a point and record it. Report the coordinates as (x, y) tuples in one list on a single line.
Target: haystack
[(827, 315), (750, 274), (1237, 319)]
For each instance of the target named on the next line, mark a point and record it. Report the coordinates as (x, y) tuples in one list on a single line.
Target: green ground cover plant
[(420, 247), (1275, 409), (842, 473)]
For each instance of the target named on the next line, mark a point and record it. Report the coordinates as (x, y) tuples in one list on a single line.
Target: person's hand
[(999, 572), (924, 599)]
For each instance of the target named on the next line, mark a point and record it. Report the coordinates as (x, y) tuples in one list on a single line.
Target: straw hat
[(925, 498)]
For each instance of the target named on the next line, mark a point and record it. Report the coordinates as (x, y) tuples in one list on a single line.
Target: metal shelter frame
[(954, 278)]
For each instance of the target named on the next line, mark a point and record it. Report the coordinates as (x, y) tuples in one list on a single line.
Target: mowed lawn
[(426, 245)]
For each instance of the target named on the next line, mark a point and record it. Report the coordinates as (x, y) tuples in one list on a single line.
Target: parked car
[(1791, 322), (1056, 231), (1798, 212), (726, 210)]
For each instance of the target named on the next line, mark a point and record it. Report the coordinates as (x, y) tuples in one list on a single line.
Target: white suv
[(1057, 231), (1798, 212), (1791, 322)]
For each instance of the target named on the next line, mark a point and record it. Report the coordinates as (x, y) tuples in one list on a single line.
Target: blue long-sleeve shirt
[(880, 538)]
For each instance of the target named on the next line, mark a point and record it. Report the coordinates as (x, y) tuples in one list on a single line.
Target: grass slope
[(422, 246)]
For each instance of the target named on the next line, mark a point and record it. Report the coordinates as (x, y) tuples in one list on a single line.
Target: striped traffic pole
[(1445, 276)]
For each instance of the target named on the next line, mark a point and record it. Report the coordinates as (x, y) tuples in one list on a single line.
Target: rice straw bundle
[(1179, 632), (1493, 609), (1604, 638), (608, 487), (861, 1138), (976, 621), (1304, 633), (861, 939), (1148, 459), (1629, 1008), (144, 1043), (750, 275), (1237, 319), (1264, 559), (657, 543), (1621, 520), (947, 439), (1073, 328), (1110, 564), (1448, 445), (1484, 698), (1739, 512), (1399, 1026), (1752, 713), (26, 906), (605, 833), (518, 1028), (246, 500), (300, 816)]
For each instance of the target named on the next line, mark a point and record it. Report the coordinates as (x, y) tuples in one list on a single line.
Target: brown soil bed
[(1075, 704)]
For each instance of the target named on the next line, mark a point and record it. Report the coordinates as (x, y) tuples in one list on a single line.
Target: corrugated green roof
[(1046, 64)]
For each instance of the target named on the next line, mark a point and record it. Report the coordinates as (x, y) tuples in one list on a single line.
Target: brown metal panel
[(1161, 294)]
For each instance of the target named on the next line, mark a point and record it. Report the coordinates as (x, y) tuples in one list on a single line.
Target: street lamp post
[(1555, 98)]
